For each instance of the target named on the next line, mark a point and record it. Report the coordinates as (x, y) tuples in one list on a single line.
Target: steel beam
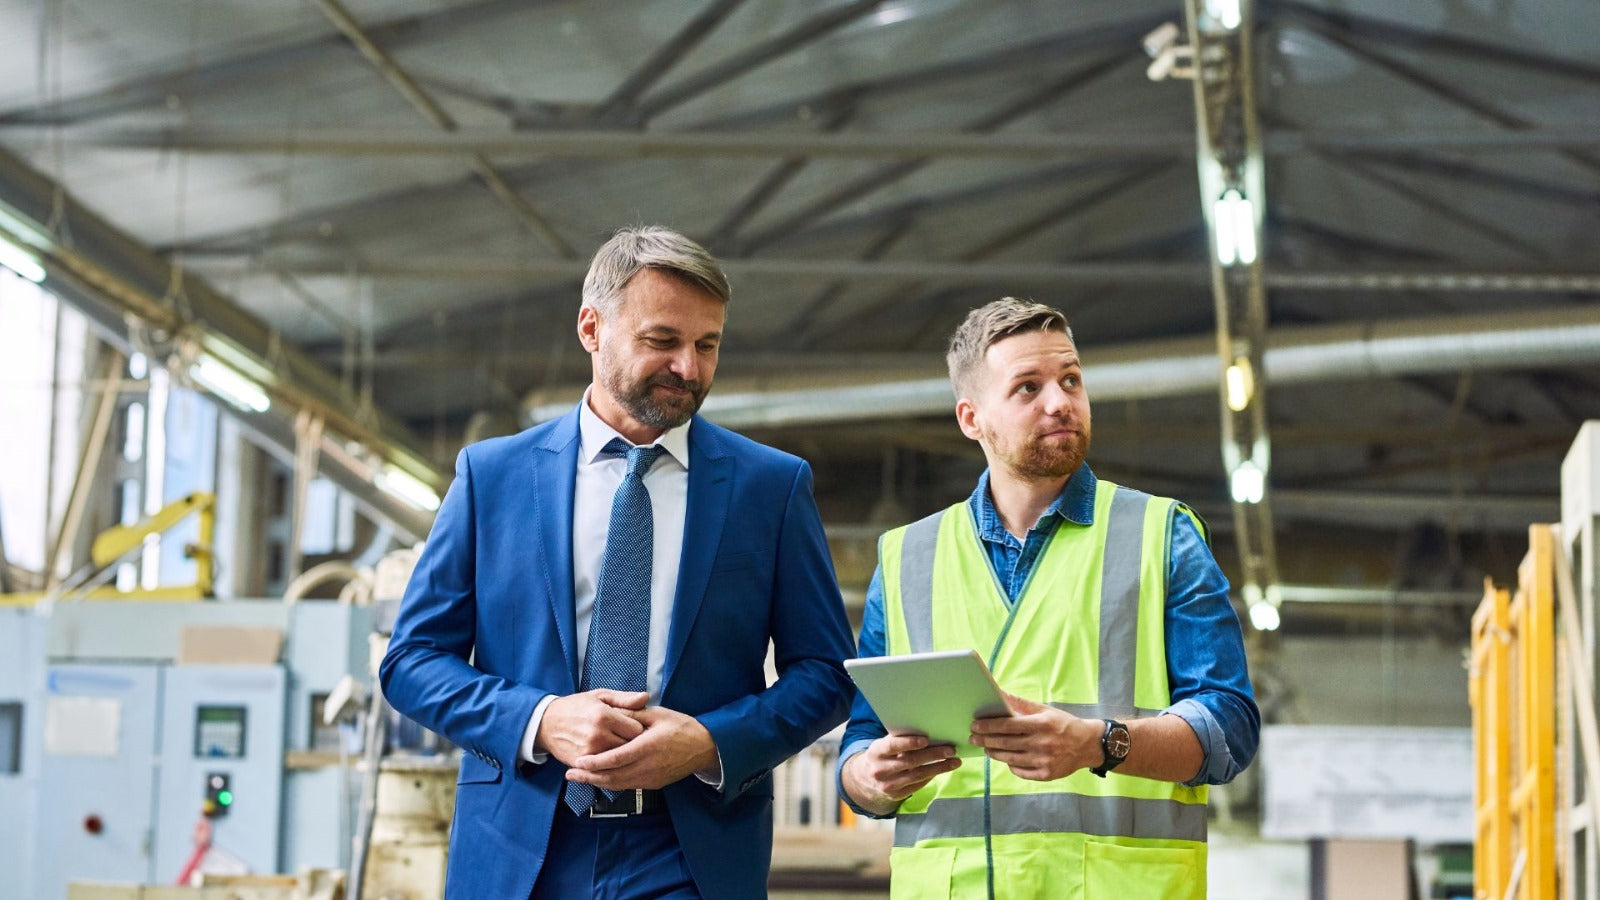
[(295, 54), (601, 143), (1125, 272), (125, 291), (754, 57), (626, 95)]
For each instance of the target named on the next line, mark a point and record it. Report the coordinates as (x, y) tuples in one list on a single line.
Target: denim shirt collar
[(1074, 504)]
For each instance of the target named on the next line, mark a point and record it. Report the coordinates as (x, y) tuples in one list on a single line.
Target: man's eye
[(1027, 387)]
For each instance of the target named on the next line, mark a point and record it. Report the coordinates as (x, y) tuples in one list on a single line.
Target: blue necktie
[(617, 653)]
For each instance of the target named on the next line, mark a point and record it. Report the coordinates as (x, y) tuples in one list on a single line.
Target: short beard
[(1040, 461), (646, 409)]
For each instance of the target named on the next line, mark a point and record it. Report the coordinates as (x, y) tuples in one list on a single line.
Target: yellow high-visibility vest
[(1087, 636)]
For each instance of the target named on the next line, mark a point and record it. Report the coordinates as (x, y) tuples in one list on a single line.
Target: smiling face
[(1027, 407), (654, 355)]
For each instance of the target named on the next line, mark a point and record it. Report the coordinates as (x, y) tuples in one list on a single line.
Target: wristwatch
[(1114, 744)]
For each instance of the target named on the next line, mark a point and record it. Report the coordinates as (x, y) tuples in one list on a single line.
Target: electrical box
[(222, 729), (93, 805)]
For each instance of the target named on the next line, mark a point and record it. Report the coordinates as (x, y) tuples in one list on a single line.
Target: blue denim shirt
[(1206, 671)]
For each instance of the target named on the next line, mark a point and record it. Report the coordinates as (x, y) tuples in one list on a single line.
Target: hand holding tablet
[(937, 694)]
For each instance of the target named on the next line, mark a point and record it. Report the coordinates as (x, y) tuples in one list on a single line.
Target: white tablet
[(937, 694)]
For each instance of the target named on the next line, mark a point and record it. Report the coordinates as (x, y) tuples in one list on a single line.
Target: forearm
[(1164, 748)]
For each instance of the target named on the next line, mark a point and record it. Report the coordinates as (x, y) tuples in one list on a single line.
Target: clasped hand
[(613, 740)]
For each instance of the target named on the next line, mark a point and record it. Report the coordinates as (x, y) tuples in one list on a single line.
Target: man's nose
[(686, 364), (1055, 400)]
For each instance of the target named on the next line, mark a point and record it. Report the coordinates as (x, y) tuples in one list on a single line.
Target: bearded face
[(1028, 408), (654, 354)]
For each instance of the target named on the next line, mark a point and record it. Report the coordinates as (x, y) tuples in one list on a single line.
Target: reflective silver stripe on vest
[(1107, 711), (962, 817), (916, 579), (1119, 597)]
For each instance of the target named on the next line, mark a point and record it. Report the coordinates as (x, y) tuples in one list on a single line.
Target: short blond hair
[(649, 247), (988, 325)]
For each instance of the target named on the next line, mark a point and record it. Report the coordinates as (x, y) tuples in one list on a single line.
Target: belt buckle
[(638, 808)]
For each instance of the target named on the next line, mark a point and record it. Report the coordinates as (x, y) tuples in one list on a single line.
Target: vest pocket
[(919, 873), (1167, 873)]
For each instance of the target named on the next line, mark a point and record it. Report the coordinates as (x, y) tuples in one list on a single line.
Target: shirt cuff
[(845, 753), (531, 733), (713, 775), (1217, 765)]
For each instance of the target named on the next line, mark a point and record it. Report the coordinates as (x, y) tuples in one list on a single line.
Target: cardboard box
[(229, 645)]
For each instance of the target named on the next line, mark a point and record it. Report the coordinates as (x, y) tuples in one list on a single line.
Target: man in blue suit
[(591, 616)]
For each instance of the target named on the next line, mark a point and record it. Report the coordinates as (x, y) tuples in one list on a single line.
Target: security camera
[(1159, 39)]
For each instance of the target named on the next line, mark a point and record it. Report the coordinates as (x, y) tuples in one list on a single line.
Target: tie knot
[(640, 459)]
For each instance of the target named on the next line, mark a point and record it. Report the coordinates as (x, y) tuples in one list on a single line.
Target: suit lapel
[(555, 466), (710, 489)]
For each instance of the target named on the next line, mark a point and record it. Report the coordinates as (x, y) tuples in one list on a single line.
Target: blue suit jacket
[(495, 580)]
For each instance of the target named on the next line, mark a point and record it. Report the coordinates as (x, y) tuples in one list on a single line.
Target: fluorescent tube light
[(1264, 616), (407, 487), (1241, 383), (1248, 483), (1227, 13), (223, 381), (21, 261), (1233, 217)]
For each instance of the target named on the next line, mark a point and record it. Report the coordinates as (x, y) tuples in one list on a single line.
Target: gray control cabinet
[(225, 721), (96, 777)]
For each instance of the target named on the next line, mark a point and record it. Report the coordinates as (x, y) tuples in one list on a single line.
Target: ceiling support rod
[(1233, 198)]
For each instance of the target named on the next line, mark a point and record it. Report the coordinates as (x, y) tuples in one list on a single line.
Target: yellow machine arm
[(120, 540)]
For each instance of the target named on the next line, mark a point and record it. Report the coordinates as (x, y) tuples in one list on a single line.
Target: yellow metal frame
[(1511, 687), (116, 542)]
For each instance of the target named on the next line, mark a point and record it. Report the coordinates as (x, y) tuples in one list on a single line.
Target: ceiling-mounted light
[(1233, 218), (1227, 13), (21, 261), (407, 487), (1248, 482), (1264, 616), (221, 380), (1241, 384)]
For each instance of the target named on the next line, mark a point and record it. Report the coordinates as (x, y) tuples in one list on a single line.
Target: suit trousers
[(632, 858)]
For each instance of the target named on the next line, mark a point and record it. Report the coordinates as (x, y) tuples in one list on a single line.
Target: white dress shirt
[(598, 478)]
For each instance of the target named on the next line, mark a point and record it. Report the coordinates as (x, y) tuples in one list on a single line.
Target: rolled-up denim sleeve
[(1206, 668), (864, 726)]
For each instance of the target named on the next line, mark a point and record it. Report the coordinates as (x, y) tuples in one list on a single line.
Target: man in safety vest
[(1102, 614)]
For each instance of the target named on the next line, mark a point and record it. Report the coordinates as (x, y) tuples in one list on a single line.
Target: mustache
[(667, 379)]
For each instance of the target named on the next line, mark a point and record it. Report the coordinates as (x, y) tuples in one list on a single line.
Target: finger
[(615, 779), (622, 699), (616, 758), (1022, 705), (934, 754), (622, 724), (896, 744), (916, 779)]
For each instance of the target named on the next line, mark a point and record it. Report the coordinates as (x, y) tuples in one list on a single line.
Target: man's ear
[(589, 328), (967, 418)]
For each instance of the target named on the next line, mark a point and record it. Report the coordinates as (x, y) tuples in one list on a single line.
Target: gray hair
[(989, 325), (649, 247)]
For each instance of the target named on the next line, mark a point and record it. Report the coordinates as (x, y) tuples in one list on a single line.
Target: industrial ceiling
[(391, 203)]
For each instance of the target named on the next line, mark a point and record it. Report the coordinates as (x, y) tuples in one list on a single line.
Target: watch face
[(1117, 741)]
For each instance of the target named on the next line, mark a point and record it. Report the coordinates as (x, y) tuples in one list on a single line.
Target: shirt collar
[(1075, 504), (594, 434)]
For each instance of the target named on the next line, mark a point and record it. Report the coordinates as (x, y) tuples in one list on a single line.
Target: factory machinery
[(153, 743)]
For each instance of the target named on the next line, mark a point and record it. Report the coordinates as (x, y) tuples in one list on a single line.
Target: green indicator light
[(225, 798)]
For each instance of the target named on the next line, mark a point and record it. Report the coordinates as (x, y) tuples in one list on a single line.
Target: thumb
[(622, 699), (1022, 707)]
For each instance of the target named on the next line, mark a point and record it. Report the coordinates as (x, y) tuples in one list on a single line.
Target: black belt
[(636, 802)]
